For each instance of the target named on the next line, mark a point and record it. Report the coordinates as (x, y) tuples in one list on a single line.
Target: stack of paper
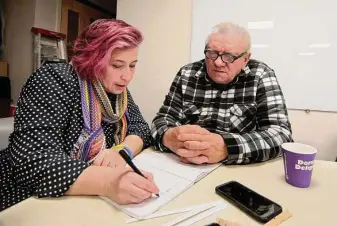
[(192, 214), (171, 176)]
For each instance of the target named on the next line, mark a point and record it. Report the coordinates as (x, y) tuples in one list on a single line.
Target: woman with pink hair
[(73, 118)]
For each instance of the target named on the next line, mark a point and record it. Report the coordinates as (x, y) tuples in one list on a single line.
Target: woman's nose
[(127, 74)]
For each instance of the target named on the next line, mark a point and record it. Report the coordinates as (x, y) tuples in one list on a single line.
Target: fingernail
[(155, 195)]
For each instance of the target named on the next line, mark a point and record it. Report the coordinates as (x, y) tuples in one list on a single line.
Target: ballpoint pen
[(128, 160)]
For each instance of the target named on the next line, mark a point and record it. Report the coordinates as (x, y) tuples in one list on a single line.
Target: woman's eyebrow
[(122, 61)]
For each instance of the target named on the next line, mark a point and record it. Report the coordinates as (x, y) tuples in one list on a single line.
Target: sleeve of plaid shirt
[(272, 129), (169, 114)]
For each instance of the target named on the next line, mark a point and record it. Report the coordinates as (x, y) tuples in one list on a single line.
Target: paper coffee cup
[(298, 160)]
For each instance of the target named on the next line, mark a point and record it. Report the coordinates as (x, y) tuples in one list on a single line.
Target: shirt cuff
[(51, 186), (159, 139), (234, 149)]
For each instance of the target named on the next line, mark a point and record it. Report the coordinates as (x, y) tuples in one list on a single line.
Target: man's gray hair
[(229, 28)]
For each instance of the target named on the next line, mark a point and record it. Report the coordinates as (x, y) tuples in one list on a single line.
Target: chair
[(5, 97), (6, 128)]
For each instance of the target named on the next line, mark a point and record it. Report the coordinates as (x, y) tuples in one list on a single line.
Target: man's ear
[(247, 57)]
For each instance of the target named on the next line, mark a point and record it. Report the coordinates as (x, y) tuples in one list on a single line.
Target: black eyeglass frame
[(234, 58)]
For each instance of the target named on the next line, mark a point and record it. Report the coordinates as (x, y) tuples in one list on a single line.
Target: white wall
[(20, 17), (166, 26)]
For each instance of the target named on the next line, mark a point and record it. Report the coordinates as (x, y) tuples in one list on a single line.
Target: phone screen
[(255, 204)]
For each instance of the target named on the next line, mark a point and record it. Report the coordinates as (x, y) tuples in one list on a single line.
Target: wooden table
[(316, 205)]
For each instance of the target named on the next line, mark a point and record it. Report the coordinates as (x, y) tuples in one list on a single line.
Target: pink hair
[(94, 46)]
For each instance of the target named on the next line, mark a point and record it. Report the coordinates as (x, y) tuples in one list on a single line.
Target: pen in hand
[(128, 160)]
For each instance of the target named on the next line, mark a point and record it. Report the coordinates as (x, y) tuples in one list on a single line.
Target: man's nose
[(219, 63)]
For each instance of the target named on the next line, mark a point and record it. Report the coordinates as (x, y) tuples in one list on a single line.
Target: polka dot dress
[(48, 122)]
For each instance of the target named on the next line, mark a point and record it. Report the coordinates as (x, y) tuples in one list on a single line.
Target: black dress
[(48, 122)]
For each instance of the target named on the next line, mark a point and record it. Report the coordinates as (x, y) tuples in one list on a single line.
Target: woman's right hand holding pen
[(119, 184), (127, 187)]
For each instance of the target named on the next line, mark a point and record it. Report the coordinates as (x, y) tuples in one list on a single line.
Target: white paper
[(171, 176), (165, 181), (149, 206), (160, 214), (203, 215), (188, 215), (175, 211), (170, 163)]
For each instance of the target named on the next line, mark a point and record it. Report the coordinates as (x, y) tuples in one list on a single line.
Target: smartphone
[(255, 205)]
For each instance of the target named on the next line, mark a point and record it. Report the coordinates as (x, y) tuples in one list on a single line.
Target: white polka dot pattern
[(47, 123)]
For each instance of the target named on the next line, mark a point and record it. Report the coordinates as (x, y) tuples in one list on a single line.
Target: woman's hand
[(110, 158), (120, 184), (129, 187)]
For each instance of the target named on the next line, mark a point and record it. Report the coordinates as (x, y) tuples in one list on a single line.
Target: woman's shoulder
[(55, 73), (58, 70)]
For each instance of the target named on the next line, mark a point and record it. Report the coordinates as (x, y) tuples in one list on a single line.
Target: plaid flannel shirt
[(249, 113)]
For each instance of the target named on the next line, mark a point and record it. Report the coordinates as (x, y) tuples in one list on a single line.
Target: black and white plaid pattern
[(250, 112)]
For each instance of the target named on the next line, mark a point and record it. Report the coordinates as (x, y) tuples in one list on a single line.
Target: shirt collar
[(246, 70), (202, 70)]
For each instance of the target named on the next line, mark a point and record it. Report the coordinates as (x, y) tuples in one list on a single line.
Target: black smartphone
[(255, 205)]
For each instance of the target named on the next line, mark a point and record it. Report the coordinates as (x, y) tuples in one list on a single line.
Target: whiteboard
[(297, 38)]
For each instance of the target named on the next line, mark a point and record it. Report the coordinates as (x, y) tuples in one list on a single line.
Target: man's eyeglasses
[(225, 57)]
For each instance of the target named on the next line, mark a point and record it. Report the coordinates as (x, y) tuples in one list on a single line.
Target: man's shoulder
[(194, 65), (259, 68), (193, 69)]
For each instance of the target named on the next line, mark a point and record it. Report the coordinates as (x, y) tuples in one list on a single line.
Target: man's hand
[(208, 148), (171, 141)]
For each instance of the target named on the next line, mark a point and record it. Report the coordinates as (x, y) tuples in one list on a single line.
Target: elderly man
[(225, 108)]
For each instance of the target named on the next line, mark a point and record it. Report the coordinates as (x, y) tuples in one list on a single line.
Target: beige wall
[(20, 17), (167, 28), (318, 129), (47, 14)]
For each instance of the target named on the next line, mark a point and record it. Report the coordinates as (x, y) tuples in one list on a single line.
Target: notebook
[(171, 176)]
